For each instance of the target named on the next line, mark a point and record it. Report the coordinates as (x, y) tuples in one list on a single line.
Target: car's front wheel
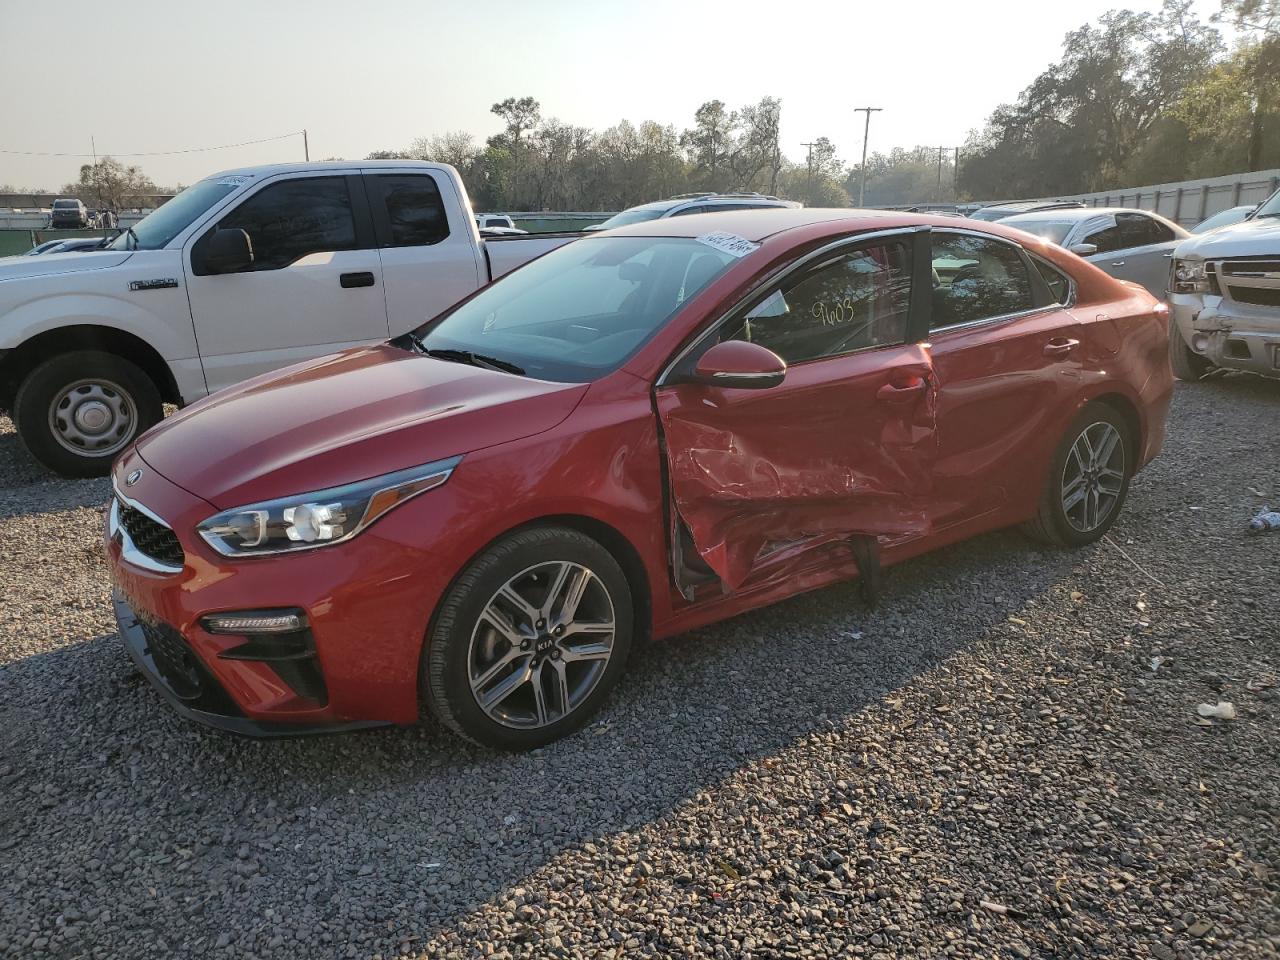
[(529, 640), (77, 411), (1088, 480)]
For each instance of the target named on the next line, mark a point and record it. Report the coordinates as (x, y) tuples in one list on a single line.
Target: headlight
[(318, 519), (1189, 277)]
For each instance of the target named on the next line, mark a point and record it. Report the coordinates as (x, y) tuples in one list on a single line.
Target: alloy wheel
[(541, 644), (1093, 476), (93, 417)]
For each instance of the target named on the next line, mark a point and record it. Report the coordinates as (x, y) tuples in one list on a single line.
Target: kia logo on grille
[(133, 478)]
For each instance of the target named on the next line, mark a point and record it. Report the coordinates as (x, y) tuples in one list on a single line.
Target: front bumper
[(367, 604), (1228, 334), (211, 706)]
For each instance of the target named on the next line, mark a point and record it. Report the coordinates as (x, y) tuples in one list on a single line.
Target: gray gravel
[(987, 765)]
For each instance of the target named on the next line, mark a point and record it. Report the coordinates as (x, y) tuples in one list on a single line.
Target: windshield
[(579, 312), (1055, 231), (634, 215), (163, 224), (1270, 207), (992, 213), (1223, 219), (66, 204)]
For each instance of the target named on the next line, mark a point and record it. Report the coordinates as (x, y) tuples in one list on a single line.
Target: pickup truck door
[(1137, 248), (427, 245), (315, 284)]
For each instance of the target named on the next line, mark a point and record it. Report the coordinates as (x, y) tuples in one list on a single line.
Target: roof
[(1068, 214), (324, 166), (759, 223)]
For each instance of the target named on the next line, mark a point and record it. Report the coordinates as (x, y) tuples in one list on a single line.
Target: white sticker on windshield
[(730, 243), (231, 181)]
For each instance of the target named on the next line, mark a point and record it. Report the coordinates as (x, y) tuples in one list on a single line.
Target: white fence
[(1191, 201)]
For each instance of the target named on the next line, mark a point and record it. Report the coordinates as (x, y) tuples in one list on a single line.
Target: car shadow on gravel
[(419, 819)]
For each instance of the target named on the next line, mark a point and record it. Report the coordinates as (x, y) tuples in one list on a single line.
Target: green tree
[(520, 116), (1079, 124), (110, 184)]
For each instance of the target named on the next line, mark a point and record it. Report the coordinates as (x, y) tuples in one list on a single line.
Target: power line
[(159, 153)]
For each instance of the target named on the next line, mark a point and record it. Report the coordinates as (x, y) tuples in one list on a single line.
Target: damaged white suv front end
[(1224, 295)]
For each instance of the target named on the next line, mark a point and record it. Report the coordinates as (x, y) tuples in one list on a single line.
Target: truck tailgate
[(507, 253)]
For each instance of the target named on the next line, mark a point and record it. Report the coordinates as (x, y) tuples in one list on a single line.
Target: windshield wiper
[(466, 356)]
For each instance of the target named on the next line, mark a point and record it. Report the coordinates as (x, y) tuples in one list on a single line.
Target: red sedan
[(640, 433)]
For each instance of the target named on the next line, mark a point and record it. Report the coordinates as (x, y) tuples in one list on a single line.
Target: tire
[(468, 655), (1187, 364), (1053, 522), (99, 399)]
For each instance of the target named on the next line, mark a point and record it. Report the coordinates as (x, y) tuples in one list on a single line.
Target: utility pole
[(866, 131), (94, 148), (938, 193), (306, 147), (955, 183), (808, 188)]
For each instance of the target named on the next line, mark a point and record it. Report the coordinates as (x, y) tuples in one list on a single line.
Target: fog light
[(245, 624), (1200, 343)]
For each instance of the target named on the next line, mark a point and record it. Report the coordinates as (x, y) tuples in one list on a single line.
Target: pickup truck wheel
[(77, 411), (529, 639), (1187, 364), (1088, 480)]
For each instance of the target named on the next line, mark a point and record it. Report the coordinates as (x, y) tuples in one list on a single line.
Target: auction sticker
[(232, 181), (730, 243)]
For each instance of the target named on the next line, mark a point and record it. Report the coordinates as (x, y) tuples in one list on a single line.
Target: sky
[(165, 75)]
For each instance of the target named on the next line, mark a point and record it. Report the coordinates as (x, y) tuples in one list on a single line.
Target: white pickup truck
[(242, 273), (1225, 298)]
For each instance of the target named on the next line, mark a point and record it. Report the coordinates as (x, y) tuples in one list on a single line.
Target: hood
[(1252, 238), (346, 417), (48, 264)]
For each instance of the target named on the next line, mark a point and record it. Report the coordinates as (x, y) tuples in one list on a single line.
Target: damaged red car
[(642, 432)]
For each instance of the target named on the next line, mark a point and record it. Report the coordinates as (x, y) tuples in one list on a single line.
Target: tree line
[(1138, 98)]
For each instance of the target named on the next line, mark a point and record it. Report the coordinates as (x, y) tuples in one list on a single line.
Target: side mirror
[(1084, 249), (739, 364), (226, 251)]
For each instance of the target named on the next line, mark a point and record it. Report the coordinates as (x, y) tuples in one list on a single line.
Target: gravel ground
[(990, 764)]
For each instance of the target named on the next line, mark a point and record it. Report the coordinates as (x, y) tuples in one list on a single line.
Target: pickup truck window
[(577, 313), (286, 221), (414, 210), (155, 230)]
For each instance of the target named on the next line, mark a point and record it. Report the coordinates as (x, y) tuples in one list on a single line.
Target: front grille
[(151, 537), (1259, 296)]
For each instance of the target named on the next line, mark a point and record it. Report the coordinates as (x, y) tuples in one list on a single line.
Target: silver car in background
[(1129, 244)]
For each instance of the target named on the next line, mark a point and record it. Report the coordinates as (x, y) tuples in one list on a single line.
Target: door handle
[(1117, 263), (902, 391), (1060, 346), (1167, 256), (363, 278)]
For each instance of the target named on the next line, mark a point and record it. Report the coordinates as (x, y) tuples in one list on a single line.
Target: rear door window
[(977, 278), (409, 211), (1137, 230)]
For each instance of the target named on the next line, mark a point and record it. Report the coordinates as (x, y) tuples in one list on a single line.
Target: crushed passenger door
[(843, 447)]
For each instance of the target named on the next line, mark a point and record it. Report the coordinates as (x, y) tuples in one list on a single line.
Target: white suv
[(689, 203), (1224, 291)]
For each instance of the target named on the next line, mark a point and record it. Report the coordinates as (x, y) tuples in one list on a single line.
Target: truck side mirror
[(226, 251)]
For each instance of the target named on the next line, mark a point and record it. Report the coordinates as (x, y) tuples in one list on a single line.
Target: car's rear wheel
[(77, 411), (529, 640), (1088, 480), (1186, 363)]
